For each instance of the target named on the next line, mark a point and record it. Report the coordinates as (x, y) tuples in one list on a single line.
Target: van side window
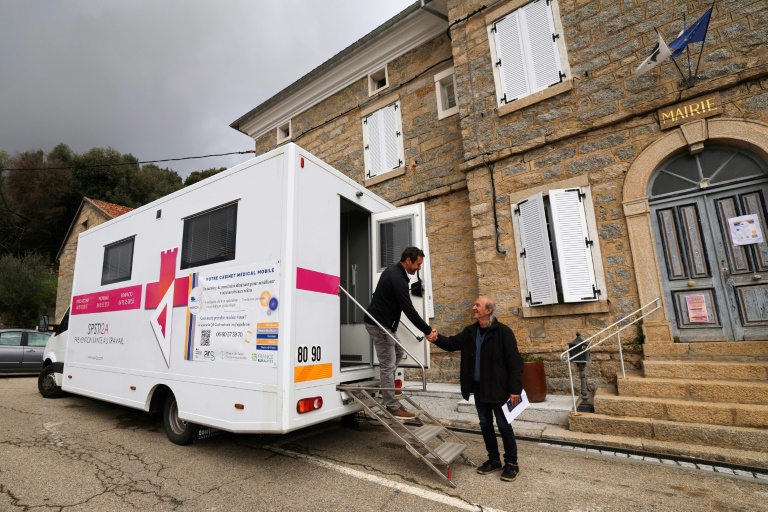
[(118, 261), (209, 237)]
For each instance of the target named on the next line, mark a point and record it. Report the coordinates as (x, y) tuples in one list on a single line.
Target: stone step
[(739, 438), (608, 402), (693, 389), (748, 458), (697, 369), (718, 350)]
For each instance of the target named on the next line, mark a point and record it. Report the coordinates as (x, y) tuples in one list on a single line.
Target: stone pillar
[(638, 215)]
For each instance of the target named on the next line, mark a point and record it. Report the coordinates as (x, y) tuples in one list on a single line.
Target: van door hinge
[(588, 242), (555, 37), (498, 63), (522, 254)]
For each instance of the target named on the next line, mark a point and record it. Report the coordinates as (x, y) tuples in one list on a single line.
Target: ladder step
[(427, 432), (447, 452)]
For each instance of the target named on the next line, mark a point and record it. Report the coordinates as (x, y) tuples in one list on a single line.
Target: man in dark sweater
[(491, 368), (390, 299)]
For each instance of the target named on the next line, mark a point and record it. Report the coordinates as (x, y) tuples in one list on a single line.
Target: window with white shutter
[(556, 250), (525, 53), (535, 251), (574, 245), (383, 140)]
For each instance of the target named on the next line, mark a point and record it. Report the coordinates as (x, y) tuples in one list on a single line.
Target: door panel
[(693, 295), (11, 351), (715, 290), (393, 231), (741, 266)]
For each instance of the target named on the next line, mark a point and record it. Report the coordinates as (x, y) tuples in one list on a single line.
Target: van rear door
[(393, 231)]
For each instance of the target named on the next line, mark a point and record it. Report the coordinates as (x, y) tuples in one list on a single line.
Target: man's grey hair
[(490, 305)]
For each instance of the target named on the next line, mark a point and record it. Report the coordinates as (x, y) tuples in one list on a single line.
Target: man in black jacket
[(390, 299), (491, 367)]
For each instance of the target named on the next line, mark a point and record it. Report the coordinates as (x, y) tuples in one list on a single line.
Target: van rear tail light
[(309, 404)]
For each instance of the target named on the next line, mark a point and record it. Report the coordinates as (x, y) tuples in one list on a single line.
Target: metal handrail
[(589, 343), (388, 333)]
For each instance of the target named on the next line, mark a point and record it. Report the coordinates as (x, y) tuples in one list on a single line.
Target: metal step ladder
[(423, 436)]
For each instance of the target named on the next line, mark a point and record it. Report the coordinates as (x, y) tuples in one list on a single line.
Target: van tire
[(177, 430), (46, 383)]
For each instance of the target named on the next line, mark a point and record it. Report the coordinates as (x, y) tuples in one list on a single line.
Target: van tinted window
[(118, 260), (209, 237)]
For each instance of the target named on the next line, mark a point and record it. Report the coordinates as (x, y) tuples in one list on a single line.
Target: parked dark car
[(21, 350)]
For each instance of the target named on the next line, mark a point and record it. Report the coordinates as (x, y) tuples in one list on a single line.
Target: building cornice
[(411, 28)]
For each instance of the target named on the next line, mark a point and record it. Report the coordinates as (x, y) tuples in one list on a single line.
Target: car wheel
[(178, 430), (46, 383)]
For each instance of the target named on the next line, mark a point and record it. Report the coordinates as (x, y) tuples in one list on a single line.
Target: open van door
[(392, 232)]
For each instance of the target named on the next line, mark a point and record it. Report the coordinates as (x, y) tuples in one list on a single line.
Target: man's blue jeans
[(485, 412)]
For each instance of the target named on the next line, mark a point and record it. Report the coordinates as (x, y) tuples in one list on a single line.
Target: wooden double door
[(715, 285)]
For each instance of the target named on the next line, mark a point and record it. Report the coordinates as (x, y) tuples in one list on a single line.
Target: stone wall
[(594, 129), (88, 217)]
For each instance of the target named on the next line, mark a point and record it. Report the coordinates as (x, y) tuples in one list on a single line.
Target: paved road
[(78, 454)]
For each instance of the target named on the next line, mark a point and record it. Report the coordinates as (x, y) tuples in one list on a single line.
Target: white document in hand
[(513, 411)]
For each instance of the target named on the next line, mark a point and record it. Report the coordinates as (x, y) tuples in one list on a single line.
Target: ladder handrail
[(589, 343), (423, 370)]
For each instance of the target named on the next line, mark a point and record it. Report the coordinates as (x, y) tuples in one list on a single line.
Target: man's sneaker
[(401, 413), (510, 472), (489, 467), (398, 394)]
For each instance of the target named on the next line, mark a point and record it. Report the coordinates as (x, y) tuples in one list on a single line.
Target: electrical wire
[(125, 163)]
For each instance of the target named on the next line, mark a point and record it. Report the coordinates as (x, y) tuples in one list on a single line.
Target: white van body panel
[(128, 338)]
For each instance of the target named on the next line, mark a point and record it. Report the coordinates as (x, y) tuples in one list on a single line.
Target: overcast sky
[(161, 78)]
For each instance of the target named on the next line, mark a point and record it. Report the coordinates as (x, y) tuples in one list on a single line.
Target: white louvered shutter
[(383, 140), (574, 245), (539, 34), (537, 256), (511, 60)]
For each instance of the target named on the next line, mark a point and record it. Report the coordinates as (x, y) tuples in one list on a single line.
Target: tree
[(27, 288), (196, 176)]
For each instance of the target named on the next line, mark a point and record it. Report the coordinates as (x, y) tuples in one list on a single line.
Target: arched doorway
[(707, 210)]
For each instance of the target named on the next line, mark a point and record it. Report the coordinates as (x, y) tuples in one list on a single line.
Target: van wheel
[(178, 430), (46, 383)]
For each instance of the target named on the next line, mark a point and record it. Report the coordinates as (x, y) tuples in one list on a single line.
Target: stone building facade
[(91, 213), (597, 128)]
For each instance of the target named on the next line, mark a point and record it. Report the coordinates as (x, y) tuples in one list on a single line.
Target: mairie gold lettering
[(676, 114)]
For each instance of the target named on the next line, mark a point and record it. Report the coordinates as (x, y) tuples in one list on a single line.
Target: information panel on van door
[(233, 315)]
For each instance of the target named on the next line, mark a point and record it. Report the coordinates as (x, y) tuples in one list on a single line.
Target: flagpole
[(674, 62), (688, 51), (703, 42)]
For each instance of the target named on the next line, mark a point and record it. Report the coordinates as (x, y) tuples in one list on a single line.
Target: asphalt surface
[(79, 454)]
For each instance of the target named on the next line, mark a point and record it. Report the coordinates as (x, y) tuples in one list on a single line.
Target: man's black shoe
[(489, 467), (510, 472)]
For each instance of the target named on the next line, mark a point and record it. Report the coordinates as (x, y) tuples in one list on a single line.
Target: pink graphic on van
[(119, 299), (156, 291)]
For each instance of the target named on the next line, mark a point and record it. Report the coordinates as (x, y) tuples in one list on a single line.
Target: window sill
[(442, 114), (579, 308), (536, 97), (400, 171)]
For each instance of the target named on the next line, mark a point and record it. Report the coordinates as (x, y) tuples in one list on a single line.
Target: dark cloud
[(160, 78)]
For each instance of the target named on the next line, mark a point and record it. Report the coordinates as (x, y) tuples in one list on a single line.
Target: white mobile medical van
[(220, 303)]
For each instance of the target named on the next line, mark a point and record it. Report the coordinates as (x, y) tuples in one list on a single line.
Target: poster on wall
[(697, 308), (745, 229), (233, 315)]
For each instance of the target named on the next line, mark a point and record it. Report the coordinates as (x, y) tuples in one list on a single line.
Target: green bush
[(27, 288)]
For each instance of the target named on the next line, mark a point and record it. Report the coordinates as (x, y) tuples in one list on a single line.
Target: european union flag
[(694, 34)]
